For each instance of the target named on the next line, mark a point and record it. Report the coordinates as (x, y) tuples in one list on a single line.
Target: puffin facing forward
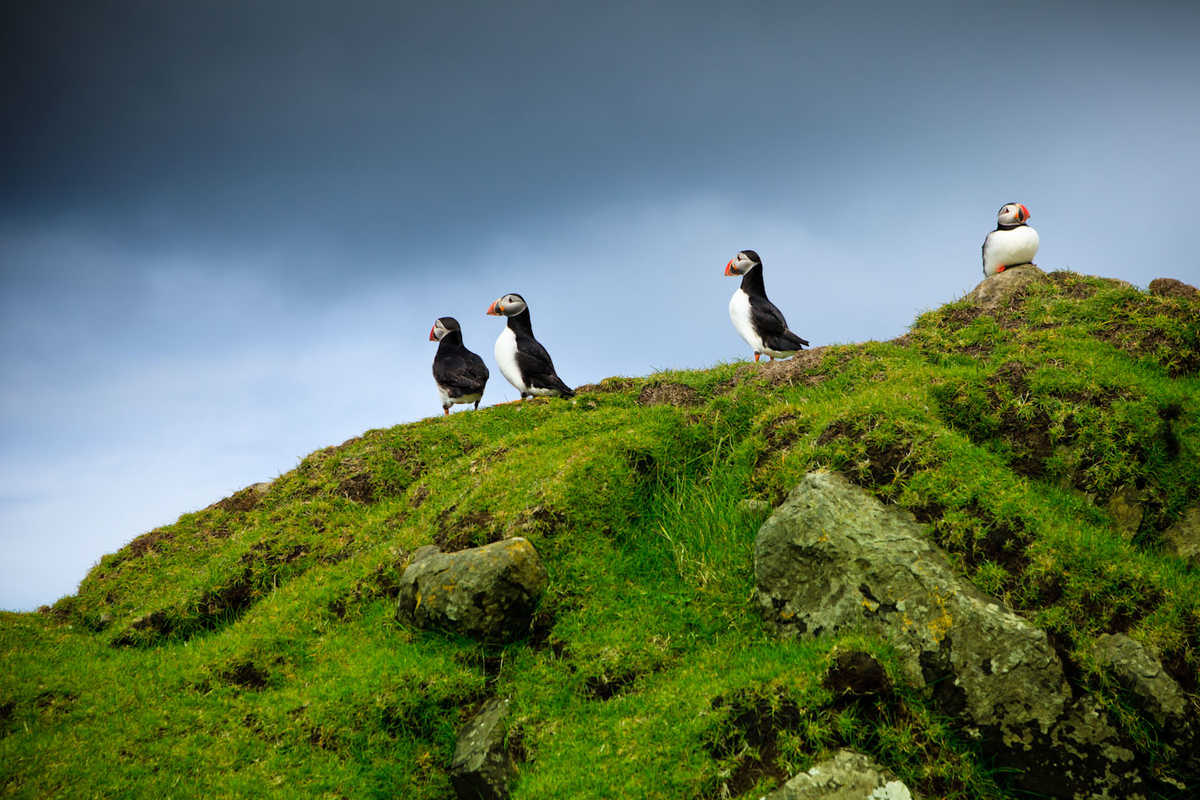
[(522, 359), (755, 317), (1012, 243), (460, 374)]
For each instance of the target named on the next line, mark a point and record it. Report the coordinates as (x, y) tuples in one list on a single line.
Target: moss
[(268, 662)]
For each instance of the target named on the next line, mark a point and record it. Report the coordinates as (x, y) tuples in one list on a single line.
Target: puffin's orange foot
[(1000, 269), (757, 356), (446, 411)]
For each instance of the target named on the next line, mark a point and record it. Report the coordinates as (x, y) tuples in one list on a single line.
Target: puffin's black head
[(442, 326), (510, 305), (1012, 214), (742, 263)]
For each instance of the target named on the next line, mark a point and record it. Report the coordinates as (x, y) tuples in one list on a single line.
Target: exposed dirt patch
[(959, 316), (606, 687), (154, 541), (858, 673), (384, 581), (247, 675), (1072, 285), (218, 606), (418, 495), (243, 500), (358, 487), (884, 461), (802, 369), (473, 529), (1001, 541), (1027, 434), (1164, 329), (784, 430), (540, 520), (1169, 287), (6, 716), (608, 385), (671, 394), (750, 735), (54, 700)]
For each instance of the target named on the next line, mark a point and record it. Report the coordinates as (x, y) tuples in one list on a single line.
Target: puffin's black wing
[(463, 372), (536, 367), (983, 253), (768, 321)]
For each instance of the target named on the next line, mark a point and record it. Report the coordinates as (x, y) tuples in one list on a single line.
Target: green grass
[(250, 649)]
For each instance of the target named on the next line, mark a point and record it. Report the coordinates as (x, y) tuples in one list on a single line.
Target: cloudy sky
[(226, 228)]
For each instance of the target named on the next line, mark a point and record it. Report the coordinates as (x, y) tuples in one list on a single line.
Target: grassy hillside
[(250, 649)]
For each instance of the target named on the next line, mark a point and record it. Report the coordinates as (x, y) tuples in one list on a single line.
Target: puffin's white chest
[(506, 357), (1016, 246), (739, 315)]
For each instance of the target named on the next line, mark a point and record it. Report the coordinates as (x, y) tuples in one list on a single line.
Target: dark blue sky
[(226, 228)]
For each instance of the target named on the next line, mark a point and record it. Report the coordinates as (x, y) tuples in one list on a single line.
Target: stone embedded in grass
[(1142, 675), (483, 766), (846, 776), (1183, 538), (1126, 510), (992, 292), (488, 593), (832, 558)]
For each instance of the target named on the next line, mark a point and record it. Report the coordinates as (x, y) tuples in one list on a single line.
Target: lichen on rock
[(832, 558), (488, 593)]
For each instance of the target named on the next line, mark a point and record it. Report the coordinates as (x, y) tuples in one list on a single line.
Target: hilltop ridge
[(1045, 429)]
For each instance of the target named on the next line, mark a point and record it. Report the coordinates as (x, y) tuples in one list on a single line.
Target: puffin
[(755, 317), (1012, 243), (460, 374), (522, 359)]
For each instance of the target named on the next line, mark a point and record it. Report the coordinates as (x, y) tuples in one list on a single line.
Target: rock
[(482, 767), (1126, 511), (488, 592), (1183, 538), (1169, 287), (833, 558), (1142, 675), (846, 776), (993, 291)]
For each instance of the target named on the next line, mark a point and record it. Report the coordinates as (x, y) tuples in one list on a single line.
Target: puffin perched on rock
[(1012, 243), (755, 317), (522, 359), (460, 374)]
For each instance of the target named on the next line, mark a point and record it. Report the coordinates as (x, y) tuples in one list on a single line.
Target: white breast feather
[(506, 357), (1009, 247), (739, 315)]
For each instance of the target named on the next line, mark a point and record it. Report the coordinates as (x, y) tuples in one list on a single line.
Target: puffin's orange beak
[(1024, 212), (729, 268), (432, 338), (493, 309)]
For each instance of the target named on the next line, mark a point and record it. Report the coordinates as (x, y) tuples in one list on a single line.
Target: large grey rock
[(846, 776), (482, 767), (488, 592), (833, 558)]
